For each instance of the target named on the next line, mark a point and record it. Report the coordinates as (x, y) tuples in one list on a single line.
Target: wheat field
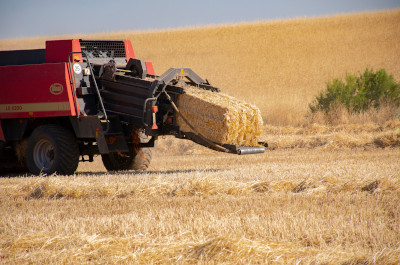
[(297, 206), (279, 66), (321, 194)]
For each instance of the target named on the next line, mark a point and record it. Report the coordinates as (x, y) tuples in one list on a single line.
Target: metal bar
[(95, 85), (172, 73), (127, 89), (136, 112), (98, 93), (245, 150)]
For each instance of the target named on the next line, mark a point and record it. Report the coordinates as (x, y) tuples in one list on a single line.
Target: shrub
[(359, 93)]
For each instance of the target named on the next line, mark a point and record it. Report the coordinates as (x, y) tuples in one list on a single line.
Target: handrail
[(95, 85), (72, 82)]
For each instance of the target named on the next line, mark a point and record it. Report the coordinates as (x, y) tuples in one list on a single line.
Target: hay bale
[(220, 118), (388, 139)]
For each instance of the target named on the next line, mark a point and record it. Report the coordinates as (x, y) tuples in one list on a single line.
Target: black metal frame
[(129, 96), (72, 78), (22, 57)]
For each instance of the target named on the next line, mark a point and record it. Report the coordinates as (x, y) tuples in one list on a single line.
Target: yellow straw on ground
[(220, 118)]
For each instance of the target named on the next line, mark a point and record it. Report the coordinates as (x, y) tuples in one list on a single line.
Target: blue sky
[(30, 18)]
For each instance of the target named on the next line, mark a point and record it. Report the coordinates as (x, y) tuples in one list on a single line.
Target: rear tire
[(52, 149), (132, 160)]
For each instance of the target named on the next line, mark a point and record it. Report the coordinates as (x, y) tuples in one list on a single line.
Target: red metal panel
[(57, 51), (150, 69), (41, 90), (129, 50)]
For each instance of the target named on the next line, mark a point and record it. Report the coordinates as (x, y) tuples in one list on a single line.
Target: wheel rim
[(43, 154)]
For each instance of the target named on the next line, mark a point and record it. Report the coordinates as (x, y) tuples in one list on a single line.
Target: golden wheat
[(279, 66), (281, 207), (327, 194), (366, 135)]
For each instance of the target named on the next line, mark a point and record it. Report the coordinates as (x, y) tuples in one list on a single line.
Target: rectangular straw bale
[(220, 118)]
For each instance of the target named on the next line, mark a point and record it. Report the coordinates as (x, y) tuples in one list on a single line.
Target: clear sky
[(30, 18)]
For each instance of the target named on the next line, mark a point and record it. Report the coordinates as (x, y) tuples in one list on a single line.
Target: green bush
[(358, 93)]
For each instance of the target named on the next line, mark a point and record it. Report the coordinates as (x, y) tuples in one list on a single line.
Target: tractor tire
[(127, 161), (52, 149)]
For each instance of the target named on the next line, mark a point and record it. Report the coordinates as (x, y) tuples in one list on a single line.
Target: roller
[(246, 150)]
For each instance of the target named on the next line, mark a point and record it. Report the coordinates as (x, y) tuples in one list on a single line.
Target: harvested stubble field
[(296, 206), (320, 195)]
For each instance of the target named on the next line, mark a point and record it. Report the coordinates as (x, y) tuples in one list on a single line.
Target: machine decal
[(32, 107), (77, 68), (56, 89)]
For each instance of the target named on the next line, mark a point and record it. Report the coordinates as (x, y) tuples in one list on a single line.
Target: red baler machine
[(79, 98)]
